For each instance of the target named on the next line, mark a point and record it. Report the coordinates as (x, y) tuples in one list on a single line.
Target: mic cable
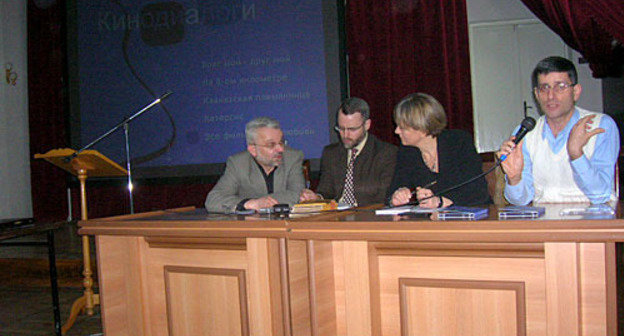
[(526, 126), (459, 185)]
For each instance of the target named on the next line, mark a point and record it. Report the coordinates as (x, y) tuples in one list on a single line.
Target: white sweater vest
[(552, 173)]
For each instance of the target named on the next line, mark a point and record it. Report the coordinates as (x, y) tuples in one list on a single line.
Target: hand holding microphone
[(525, 127), (511, 159)]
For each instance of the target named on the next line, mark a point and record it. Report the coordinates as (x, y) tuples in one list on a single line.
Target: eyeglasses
[(348, 129), (559, 87), (272, 145)]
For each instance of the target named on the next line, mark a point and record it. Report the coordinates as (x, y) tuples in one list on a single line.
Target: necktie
[(349, 195)]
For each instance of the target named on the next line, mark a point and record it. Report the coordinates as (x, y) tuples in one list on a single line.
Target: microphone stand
[(128, 167), (125, 124)]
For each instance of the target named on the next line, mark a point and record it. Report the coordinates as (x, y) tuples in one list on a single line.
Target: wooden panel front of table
[(354, 273)]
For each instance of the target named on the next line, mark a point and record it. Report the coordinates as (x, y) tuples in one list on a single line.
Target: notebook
[(405, 209)]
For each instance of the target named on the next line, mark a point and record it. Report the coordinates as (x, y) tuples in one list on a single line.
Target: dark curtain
[(46, 100), (397, 47), (609, 14), (595, 28)]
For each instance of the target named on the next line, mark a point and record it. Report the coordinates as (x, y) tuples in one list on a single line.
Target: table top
[(363, 224), (23, 227)]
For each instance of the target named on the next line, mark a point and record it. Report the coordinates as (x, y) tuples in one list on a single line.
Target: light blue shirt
[(593, 176)]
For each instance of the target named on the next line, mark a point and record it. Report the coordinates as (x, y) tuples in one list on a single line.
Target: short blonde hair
[(421, 112)]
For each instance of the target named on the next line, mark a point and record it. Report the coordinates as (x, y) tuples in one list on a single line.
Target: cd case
[(594, 211), (516, 211), (462, 212)]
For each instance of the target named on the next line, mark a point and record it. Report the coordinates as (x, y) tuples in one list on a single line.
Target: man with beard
[(358, 170), (267, 173), (571, 153)]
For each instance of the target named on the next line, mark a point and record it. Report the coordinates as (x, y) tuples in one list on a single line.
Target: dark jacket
[(458, 162), (372, 172)]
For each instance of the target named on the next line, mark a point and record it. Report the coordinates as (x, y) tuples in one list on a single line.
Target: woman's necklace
[(429, 150), (434, 166), (431, 160)]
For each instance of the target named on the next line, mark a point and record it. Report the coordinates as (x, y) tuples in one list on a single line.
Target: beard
[(270, 161), (349, 143)]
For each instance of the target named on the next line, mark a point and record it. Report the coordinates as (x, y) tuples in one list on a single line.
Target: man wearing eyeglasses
[(358, 170), (267, 173), (571, 153)]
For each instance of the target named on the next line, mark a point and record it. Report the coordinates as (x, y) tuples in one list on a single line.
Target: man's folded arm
[(295, 182), (324, 187), (224, 195)]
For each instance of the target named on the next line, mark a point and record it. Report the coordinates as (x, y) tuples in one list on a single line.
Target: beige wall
[(15, 197)]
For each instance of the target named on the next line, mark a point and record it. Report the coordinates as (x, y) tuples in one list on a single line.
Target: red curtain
[(609, 14), (397, 47), (595, 28), (46, 100)]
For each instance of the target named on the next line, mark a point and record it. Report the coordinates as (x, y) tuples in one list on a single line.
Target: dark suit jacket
[(372, 172), (242, 179), (458, 162)]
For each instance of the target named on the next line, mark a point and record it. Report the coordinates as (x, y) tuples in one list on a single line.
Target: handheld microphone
[(525, 127)]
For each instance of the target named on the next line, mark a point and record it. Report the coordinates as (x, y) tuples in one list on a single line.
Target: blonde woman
[(433, 158)]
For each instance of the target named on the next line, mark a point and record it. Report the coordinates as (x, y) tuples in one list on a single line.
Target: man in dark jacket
[(359, 169)]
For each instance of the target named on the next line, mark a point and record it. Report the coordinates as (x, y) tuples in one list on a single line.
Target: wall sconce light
[(11, 76)]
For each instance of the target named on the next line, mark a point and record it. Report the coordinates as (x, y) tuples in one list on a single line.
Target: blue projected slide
[(225, 61)]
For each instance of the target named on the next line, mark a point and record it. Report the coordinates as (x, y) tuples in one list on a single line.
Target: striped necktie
[(349, 194)]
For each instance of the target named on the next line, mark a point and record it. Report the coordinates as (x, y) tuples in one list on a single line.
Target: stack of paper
[(314, 206)]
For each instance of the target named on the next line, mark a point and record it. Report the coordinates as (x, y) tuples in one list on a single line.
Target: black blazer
[(372, 171), (458, 162)]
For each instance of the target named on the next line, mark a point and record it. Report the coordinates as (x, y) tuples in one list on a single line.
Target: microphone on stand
[(525, 127), (165, 95), (123, 122)]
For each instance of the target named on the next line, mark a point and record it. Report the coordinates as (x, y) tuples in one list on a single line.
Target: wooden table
[(185, 272), (19, 228)]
